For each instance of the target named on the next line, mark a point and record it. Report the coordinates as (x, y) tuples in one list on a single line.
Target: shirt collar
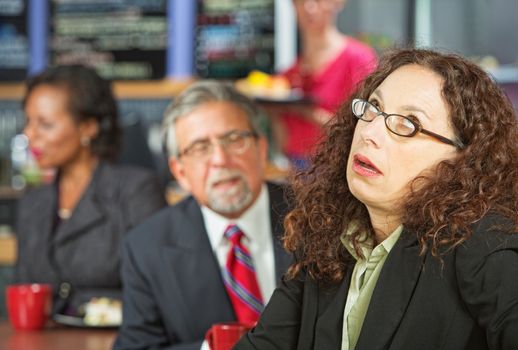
[(368, 245), (252, 222)]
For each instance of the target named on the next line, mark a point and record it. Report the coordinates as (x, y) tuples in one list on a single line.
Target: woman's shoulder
[(356, 48), (118, 181), (35, 193), (124, 173), (485, 269), (493, 233), (357, 60)]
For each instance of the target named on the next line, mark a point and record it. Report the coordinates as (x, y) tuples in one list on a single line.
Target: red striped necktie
[(240, 279)]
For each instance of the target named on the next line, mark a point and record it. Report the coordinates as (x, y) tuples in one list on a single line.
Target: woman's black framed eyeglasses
[(400, 125)]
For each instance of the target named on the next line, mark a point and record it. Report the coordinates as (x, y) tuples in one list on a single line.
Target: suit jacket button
[(64, 290)]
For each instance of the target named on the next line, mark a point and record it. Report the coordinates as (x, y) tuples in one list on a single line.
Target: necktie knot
[(234, 234)]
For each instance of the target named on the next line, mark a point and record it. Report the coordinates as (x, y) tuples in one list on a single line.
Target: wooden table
[(56, 338), (7, 249)]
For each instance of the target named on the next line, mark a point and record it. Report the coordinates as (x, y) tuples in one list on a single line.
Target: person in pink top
[(328, 69)]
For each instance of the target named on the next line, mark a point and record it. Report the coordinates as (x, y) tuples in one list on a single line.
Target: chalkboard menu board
[(233, 37), (122, 39), (14, 43)]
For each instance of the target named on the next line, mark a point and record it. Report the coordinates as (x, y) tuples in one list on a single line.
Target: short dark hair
[(89, 97)]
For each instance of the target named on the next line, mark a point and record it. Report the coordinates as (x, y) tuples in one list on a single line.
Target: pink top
[(329, 88)]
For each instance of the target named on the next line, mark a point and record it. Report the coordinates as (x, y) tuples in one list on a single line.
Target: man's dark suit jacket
[(472, 303), (173, 290), (84, 250)]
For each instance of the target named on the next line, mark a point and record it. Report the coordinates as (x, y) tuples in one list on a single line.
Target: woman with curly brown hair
[(405, 228)]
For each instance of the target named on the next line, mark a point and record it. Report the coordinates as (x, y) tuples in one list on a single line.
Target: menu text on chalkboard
[(233, 37), (14, 43), (122, 39)]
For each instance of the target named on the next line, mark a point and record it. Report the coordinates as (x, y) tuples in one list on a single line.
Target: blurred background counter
[(140, 89)]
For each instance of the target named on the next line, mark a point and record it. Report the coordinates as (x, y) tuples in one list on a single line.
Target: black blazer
[(173, 290), (84, 250), (472, 303)]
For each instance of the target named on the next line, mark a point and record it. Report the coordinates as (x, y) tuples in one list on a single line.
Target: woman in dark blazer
[(69, 232), (405, 228)]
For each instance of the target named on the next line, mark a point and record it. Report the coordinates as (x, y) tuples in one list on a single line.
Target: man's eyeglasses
[(401, 125), (233, 142)]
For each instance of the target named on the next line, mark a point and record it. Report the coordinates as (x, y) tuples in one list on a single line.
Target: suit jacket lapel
[(392, 294), (329, 308), (42, 213), (195, 271), (278, 211), (87, 213)]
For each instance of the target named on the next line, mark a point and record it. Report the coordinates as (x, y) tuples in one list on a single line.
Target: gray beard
[(232, 201)]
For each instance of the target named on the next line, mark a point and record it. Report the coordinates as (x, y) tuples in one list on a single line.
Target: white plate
[(76, 321)]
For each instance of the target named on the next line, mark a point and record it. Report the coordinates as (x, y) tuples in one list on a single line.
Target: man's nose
[(219, 155)]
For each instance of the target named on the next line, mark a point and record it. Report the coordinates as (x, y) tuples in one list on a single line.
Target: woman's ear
[(89, 128)]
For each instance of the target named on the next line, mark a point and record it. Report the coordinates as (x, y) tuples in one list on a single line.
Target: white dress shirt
[(256, 225)]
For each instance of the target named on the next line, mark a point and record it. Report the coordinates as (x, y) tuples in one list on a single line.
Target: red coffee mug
[(28, 305), (223, 336)]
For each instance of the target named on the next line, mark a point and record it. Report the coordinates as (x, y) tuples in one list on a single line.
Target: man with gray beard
[(181, 268)]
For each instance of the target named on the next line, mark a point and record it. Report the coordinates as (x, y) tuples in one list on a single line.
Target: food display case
[(234, 37)]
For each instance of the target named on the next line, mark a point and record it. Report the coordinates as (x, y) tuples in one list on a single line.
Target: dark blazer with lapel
[(471, 303), (173, 290), (85, 249)]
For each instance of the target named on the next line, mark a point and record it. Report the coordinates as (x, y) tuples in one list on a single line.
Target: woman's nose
[(374, 131), (27, 131)]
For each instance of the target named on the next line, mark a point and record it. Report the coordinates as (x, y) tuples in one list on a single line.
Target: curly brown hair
[(482, 178)]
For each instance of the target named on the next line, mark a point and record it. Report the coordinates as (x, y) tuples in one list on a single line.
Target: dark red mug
[(28, 305), (223, 336)]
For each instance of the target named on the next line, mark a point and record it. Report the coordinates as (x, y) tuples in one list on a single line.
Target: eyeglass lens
[(234, 142)]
